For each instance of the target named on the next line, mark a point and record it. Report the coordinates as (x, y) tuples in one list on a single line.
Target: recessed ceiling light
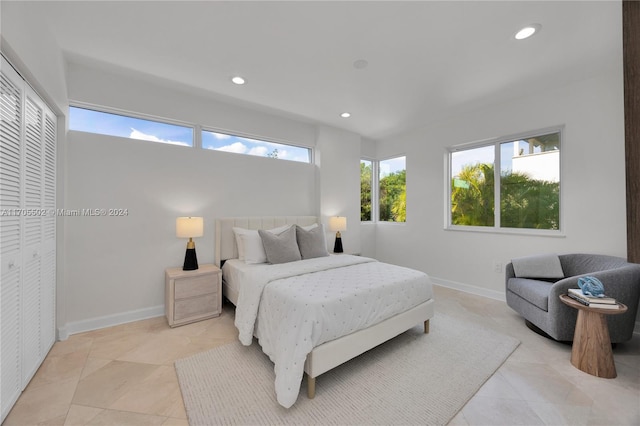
[(345, 115), (360, 64), (528, 31), (238, 80)]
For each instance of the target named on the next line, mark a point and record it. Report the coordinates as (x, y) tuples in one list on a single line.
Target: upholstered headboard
[(225, 239)]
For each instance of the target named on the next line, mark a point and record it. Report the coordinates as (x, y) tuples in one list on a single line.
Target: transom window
[(126, 126), (507, 184), (243, 145), (105, 123)]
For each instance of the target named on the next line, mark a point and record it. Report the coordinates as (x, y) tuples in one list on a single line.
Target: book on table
[(593, 302), (603, 305)]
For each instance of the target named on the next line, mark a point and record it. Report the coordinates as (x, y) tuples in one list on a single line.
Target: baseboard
[(467, 288), (108, 321)]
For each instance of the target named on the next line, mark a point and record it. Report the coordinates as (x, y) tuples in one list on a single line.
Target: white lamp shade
[(189, 227), (337, 223)]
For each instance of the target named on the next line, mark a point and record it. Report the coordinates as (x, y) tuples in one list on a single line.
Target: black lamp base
[(337, 247), (190, 260)]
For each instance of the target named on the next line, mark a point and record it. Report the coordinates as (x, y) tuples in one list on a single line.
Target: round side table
[(591, 350)]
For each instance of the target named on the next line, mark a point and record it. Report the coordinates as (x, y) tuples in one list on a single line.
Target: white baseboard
[(108, 321), (467, 288)]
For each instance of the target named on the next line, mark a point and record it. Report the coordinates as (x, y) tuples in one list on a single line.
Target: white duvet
[(293, 307)]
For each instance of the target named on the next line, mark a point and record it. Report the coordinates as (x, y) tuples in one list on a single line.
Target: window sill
[(507, 231)]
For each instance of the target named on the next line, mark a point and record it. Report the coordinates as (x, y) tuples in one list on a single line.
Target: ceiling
[(427, 60)]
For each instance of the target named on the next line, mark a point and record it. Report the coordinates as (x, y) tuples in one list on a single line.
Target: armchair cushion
[(535, 291)]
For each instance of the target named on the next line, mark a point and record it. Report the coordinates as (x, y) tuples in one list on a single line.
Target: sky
[(135, 128)]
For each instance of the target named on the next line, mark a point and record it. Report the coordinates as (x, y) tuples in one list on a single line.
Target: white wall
[(115, 266), (593, 185), (29, 45), (339, 163)]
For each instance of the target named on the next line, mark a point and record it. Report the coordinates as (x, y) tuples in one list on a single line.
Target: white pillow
[(309, 227), (250, 248)]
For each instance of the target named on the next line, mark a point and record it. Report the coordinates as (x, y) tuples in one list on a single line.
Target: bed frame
[(333, 353)]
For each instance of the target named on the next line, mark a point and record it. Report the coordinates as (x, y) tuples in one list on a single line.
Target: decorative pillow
[(250, 248), (280, 248), (312, 243), (541, 266), (309, 227)]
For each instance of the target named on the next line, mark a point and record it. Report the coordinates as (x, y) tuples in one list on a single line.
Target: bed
[(260, 291)]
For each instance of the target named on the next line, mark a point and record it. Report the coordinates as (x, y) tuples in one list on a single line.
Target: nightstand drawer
[(196, 306), (196, 286)]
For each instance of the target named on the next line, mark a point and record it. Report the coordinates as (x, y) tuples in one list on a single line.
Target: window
[(507, 184), (241, 145), (366, 183), (105, 123), (392, 190)]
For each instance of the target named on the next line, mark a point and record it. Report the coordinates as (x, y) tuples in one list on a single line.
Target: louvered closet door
[(33, 191), (11, 100), (27, 234), (48, 263)]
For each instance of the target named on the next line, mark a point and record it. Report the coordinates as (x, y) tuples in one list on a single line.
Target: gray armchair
[(538, 300)]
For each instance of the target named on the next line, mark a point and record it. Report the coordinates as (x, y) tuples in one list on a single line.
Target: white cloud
[(258, 150), (237, 147), (136, 134), (220, 135)]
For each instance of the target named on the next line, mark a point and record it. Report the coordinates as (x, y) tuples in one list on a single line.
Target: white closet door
[(32, 253), (48, 289), (27, 234), (11, 130)]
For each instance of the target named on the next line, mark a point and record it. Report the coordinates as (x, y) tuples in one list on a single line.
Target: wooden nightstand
[(192, 295)]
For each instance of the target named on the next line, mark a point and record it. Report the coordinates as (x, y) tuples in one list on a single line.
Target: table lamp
[(190, 227), (338, 223)]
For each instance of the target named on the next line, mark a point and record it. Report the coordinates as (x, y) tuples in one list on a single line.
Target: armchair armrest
[(622, 283)]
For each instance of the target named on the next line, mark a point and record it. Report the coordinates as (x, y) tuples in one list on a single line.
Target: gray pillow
[(539, 266), (311, 243), (280, 248)]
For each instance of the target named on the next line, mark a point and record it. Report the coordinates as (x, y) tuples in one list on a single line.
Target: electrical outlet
[(497, 266)]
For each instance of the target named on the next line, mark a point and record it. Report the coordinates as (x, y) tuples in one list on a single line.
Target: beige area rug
[(415, 378)]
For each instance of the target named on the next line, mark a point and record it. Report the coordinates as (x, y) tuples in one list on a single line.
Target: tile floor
[(124, 375)]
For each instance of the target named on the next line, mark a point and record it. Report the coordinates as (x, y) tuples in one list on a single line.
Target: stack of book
[(592, 302)]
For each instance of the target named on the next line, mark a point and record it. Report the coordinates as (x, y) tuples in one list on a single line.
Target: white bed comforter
[(293, 307)]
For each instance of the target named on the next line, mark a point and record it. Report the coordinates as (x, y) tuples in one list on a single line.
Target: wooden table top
[(622, 308)]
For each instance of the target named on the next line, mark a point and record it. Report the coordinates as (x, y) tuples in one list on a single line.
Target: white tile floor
[(124, 375)]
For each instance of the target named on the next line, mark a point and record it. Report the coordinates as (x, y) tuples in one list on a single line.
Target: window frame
[(374, 190), (138, 116), (197, 129), (496, 142), (378, 188), (256, 138)]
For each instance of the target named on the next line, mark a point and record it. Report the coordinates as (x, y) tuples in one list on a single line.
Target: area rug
[(415, 378)]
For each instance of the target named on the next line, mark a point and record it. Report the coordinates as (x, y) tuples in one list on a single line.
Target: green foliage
[(365, 192), (393, 197), (472, 199), (529, 203), (524, 202)]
